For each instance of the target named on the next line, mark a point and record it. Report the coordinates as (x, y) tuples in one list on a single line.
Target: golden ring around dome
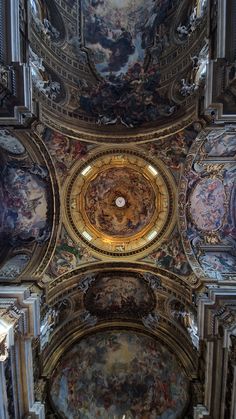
[(145, 191)]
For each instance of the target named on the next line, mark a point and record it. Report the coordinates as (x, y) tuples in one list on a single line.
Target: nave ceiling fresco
[(118, 222), (122, 65)]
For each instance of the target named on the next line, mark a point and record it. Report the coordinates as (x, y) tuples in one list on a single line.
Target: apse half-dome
[(119, 374)]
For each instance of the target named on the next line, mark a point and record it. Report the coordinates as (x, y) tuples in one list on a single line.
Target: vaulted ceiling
[(120, 65), (118, 203)]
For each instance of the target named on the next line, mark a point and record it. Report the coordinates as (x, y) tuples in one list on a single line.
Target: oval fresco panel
[(116, 294), (10, 143), (119, 374), (23, 205), (120, 202), (207, 204)]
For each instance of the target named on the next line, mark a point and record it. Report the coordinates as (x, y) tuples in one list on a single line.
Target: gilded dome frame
[(136, 246)]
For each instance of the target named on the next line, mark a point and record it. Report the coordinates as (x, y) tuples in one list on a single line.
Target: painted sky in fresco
[(117, 32)]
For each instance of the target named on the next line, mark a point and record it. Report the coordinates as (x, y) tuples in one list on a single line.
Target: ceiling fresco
[(63, 150), (118, 32), (71, 252), (209, 183), (10, 143), (174, 149), (120, 203), (68, 255), (24, 204), (117, 212), (215, 215), (130, 104), (122, 374), (171, 256), (220, 144), (118, 294), (26, 208), (120, 64), (218, 264), (14, 266), (207, 207)]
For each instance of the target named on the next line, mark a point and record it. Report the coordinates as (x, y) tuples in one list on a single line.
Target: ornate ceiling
[(28, 199), (117, 205), (122, 373), (115, 67), (120, 202)]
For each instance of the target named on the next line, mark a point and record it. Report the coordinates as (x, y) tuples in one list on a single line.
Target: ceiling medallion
[(120, 203)]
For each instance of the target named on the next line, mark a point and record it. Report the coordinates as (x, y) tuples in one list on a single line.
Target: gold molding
[(100, 244), (98, 136), (166, 337)]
